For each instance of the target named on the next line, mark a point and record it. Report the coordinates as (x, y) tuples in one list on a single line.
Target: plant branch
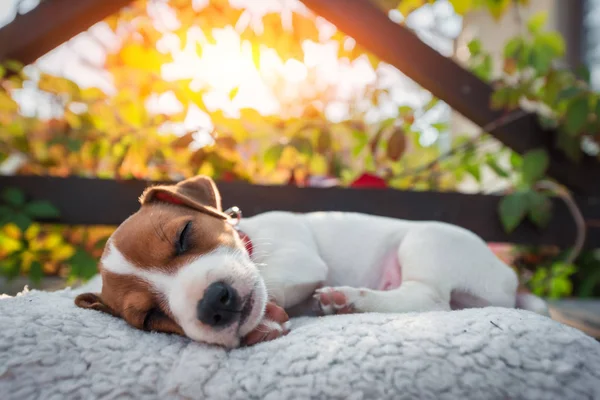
[(498, 123), (575, 212)]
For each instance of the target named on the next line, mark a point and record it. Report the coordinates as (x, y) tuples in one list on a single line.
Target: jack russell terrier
[(181, 265)]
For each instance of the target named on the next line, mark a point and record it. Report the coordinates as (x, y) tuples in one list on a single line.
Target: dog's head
[(178, 265)]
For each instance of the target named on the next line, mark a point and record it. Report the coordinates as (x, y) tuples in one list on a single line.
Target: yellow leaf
[(462, 6), (498, 7), (112, 22), (62, 252), (57, 85), (27, 258), (12, 231), (233, 93), (9, 245), (133, 113), (73, 119), (32, 232), (140, 57), (318, 165), (407, 6), (92, 94), (52, 241), (7, 103), (206, 169)]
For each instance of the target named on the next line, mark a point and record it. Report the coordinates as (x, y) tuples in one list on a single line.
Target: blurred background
[(267, 92)]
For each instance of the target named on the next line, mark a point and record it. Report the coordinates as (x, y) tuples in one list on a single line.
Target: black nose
[(220, 305)]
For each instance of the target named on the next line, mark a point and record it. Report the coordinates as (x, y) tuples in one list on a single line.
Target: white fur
[(298, 253), (183, 289), (344, 252)]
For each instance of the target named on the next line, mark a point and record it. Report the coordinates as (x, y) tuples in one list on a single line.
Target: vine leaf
[(272, 156), (13, 197), (513, 209), (540, 209), (535, 164), (36, 272), (41, 209), (537, 22), (577, 114)]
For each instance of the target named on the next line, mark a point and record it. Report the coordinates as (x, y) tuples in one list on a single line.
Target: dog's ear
[(199, 192), (93, 301)]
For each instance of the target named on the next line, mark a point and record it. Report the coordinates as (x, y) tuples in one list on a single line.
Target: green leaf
[(2, 71), (537, 22), (21, 220), (440, 126), (272, 156), (100, 244), (583, 73), (546, 48), (516, 161), (552, 42), (14, 65), (13, 197), (569, 145), (41, 209), (569, 93), (500, 97), (560, 287), (541, 60), (512, 210), (35, 272), (10, 268), (491, 162), (475, 171), (402, 111), (474, 47), (303, 145), (540, 209), (362, 140), (5, 211), (74, 145), (535, 164), (483, 70), (514, 48), (577, 114), (83, 265), (586, 288)]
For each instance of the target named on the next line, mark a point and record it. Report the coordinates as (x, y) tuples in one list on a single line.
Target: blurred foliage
[(37, 250), (544, 272), (114, 135)]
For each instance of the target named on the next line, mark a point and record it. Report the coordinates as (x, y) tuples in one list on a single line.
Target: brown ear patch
[(199, 193), (93, 301)]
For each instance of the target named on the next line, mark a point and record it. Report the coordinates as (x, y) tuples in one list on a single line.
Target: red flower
[(367, 180), (228, 176)]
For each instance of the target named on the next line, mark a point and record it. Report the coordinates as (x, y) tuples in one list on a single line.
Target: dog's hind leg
[(411, 296)]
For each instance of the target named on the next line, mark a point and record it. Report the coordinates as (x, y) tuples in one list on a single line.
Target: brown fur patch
[(148, 240)]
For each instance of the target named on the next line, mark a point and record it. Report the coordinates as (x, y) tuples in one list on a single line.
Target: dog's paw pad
[(333, 301)]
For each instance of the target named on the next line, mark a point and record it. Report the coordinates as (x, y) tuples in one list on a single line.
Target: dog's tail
[(530, 302)]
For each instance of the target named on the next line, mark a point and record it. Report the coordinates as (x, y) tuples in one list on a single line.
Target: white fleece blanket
[(49, 349)]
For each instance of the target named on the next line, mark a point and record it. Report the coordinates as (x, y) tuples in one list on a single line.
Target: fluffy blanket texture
[(49, 349)]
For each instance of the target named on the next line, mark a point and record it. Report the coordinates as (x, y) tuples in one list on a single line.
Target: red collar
[(247, 242)]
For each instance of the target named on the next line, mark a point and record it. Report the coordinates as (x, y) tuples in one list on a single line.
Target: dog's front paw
[(274, 325), (336, 300)]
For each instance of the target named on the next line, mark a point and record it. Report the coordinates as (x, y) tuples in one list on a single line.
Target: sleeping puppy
[(181, 265)]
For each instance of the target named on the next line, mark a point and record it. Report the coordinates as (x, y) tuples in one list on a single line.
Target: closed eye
[(152, 316), (181, 244)]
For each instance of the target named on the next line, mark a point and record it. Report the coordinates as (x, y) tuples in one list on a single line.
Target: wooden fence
[(84, 201)]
